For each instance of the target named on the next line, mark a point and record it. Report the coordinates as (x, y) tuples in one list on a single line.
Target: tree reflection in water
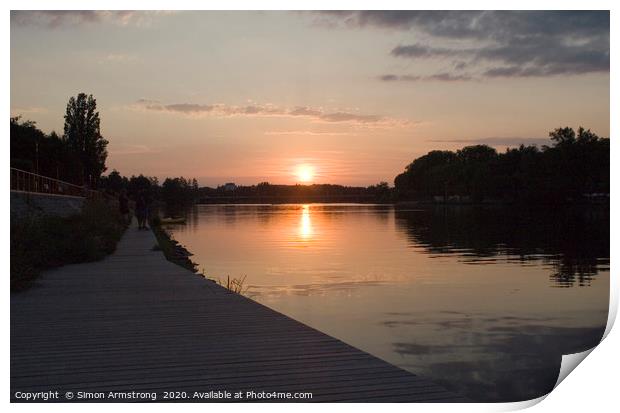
[(574, 240)]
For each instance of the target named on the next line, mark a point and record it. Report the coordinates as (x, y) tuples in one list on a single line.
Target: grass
[(172, 250), (236, 285), (42, 242)]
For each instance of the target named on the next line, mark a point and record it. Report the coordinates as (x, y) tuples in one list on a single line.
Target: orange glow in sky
[(305, 173), (354, 106)]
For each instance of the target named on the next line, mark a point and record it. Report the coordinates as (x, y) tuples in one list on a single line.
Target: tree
[(115, 181), (138, 184), (428, 175), (380, 191), (476, 169), (25, 139), (573, 168), (179, 192), (34, 151), (563, 136), (83, 136), (586, 136)]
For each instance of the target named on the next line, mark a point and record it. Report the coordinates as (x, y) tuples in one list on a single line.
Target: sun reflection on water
[(305, 223)]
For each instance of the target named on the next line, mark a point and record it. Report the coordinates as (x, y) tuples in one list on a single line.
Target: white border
[(593, 386)]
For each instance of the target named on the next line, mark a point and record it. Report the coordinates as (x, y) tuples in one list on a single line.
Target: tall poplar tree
[(83, 136)]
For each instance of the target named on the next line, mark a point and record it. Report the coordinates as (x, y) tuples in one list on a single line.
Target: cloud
[(305, 133), (122, 149), (186, 108), (28, 109), (545, 58), (264, 110), (349, 117), (496, 44), (418, 50), (440, 21), (119, 58), (476, 24), (389, 78), (497, 141), (460, 65), (438, 77), (60, 18), (448, 77)]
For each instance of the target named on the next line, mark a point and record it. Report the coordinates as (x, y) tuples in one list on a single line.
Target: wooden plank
[(136, 322)]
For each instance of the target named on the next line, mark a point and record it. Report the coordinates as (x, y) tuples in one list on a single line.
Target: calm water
[(482, 300)]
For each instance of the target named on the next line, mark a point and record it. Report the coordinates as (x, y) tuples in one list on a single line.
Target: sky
[(345, 97)]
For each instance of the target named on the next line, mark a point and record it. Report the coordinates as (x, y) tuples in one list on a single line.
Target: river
[(483, 300)]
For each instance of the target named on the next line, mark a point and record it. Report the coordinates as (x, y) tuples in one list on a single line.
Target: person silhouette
[(123, 206), (141, 210)]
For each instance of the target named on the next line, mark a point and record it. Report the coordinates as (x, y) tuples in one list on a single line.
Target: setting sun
[(305, 173)]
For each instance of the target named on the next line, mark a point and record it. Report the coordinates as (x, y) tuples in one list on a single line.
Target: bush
[(42, 242)]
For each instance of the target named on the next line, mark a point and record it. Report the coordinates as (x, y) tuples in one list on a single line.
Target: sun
[(305, 173)]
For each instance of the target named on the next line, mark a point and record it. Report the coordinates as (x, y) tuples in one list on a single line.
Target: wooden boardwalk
[(135, 322)]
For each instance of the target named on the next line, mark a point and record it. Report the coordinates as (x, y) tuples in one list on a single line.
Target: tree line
[(174, 192), (78, 156), (575, 166), (273, 193)]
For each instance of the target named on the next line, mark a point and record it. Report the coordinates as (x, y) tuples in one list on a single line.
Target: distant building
[(230, 186)]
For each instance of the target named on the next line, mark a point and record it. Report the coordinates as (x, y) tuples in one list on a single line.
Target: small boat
[(172, 220)]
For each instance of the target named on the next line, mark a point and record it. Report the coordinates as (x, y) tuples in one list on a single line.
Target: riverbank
[(40, 242), (179, 255), (593, 201), (172, 250)]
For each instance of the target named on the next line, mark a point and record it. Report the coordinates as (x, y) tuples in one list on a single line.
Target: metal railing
[(25, 181)]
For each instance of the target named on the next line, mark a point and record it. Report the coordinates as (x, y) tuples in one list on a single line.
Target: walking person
[(141, 209), (147, 210), (123, 206)]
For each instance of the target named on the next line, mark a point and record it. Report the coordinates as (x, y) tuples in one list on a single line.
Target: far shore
[(261, 201)]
